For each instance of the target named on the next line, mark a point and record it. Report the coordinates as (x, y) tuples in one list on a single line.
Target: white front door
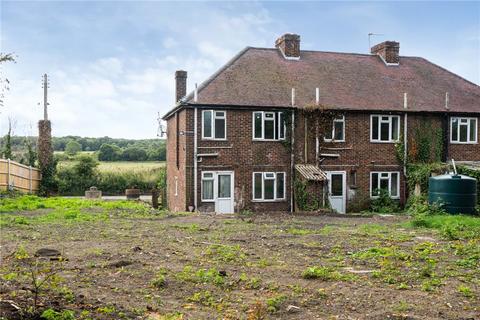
[(224, 192), (337, 190)]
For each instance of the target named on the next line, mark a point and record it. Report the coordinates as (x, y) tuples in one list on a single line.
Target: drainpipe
[(405, 141), (292, 161), (195, 117)]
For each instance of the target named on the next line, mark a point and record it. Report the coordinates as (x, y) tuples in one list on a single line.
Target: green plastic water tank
[(457, 193)]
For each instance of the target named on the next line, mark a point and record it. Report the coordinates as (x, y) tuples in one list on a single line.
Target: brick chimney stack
[(180, 84), (388, 50), (289, 45)]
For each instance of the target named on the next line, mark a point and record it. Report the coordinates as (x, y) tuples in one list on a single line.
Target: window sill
[(393, 198), (207, 201), (269, 201), (333, 141), (456, 142), (268, 140), (385, 142), (213, 139)]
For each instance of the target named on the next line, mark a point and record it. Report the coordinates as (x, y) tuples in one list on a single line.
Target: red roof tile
[(262, 77)]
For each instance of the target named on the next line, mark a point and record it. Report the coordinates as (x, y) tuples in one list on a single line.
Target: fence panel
[(14, 175)]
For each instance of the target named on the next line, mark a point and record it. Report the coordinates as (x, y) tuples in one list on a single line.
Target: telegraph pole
[(45, 94)]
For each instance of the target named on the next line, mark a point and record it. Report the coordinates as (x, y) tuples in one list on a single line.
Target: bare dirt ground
[(262, 267)]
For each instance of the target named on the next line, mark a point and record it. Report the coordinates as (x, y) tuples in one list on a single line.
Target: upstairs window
[(463, 130), (338, 131), (384, 128), (214, 125), (268, 125), (268, 186), (388, 181)]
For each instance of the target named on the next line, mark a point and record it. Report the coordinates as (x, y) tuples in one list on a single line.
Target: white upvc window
[(214, 125), (268, 125), (268, 186), (463, 130), (389, 181), (338, 131), (208, 181), (384, 128)]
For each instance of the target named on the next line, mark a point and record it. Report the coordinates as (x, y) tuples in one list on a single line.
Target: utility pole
[(45, 99)]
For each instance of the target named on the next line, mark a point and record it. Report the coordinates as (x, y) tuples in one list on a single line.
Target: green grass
[(452, 227), (121, 166), (64, 210)]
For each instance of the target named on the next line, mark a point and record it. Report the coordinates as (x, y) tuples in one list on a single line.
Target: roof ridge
[(215, 74)]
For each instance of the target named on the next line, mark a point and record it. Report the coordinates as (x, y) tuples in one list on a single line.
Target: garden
[(81, 259)]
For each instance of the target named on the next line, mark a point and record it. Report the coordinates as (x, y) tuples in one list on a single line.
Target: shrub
[(384, 203), (76, 179)]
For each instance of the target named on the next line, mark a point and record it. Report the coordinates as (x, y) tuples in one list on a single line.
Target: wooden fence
[(14, 175)]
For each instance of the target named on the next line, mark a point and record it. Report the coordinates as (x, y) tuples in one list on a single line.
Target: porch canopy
[(311, 172)]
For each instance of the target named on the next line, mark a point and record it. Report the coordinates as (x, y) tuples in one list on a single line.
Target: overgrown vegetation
[(75, 179)]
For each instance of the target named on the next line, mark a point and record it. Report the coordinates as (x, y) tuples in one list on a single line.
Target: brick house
[(274, 116)]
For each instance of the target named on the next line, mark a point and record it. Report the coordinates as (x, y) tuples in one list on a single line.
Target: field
[(116, 166), (124, 260)]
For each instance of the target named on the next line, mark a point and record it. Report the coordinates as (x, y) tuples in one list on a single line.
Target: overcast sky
[(112, 64)]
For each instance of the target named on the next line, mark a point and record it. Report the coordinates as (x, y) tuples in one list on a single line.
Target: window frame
[(212, 124), (213, 186), (469, 128), (275, 179), (342, 120), (277, 116), (372, 196), (390, 125)]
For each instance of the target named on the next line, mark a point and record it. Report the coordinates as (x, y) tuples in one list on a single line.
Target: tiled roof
[(262, 77)]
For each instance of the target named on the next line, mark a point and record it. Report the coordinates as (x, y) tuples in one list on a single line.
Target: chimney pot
[(388, 50), (289, 45), (180, 84)]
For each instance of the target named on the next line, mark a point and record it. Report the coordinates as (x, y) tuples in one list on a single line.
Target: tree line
[(106, 148)]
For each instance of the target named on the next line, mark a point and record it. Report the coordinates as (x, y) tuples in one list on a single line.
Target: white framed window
[(268, 186), (389, 181), (384, 128), (208, 181), (268, 125), (214, 125), (338, 131), (463, 130)]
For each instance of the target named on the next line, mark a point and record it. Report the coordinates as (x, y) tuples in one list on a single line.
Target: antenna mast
[(369, 36)]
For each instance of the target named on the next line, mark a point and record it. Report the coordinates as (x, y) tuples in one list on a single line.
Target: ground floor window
[(389, 181), (268, 186), (207, 186)]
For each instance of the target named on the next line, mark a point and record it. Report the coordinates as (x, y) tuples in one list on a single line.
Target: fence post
[(30, 178), (8, 174)]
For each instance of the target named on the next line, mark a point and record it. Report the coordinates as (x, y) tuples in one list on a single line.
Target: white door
[(337, 190), (224, 192)]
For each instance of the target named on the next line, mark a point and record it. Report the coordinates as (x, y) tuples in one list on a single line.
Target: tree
[(4, 82), (31, 154), (134, 154), (109, 152), (72, 148), (7, 150)]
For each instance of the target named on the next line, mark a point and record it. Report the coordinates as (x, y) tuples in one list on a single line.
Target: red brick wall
[(174, 173), (239, 153)]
